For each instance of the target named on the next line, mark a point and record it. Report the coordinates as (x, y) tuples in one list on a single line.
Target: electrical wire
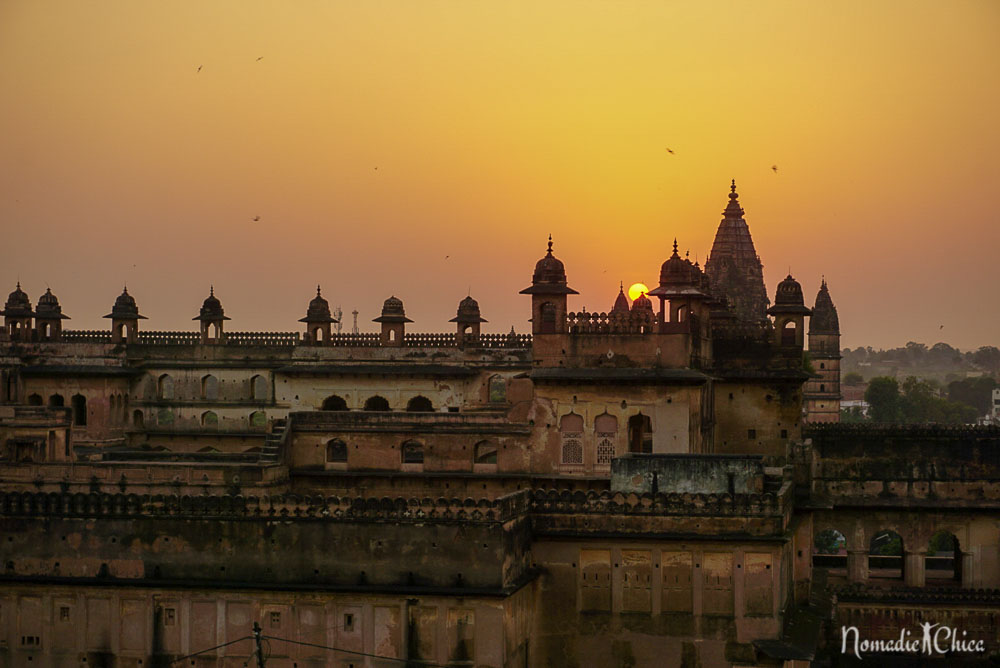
[(428, 664), (211, 649)]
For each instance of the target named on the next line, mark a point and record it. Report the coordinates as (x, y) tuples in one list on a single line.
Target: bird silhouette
[(199, 69), (256, 218), (260, 59), (775, 168), (670, 151), (941, 327)]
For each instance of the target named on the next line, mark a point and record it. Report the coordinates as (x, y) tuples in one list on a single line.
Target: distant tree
[(882, 396), (853, 378), (921, 403), (987, 358), (975, 392)]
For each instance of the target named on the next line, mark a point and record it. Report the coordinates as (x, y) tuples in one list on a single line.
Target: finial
[(675, 245), (19, 284), (732, 188), (211, 291), (317, 289), (124, 288), (687, 253), (550, 244), (621, 286)]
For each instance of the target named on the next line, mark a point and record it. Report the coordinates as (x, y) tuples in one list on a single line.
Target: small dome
[(211, 308), (468, 311), (549, 276), (48, 306), (789, 293), (18, 303), (621, 301), (125, 308), (824, 318), (318, 310), (642, 303), (678, 271), (549, 269), (392, 311)]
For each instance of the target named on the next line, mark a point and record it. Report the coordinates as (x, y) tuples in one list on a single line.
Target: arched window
[(498, 389), (571, 431), (485, 453), (830, 550), (376, 403), (822, 387), (419, 404), (165, 387), (79, 410), (548, 318), (788, 333), (412, 452), (258, 388), (57, 401), (34, 400), (210, 388), (606, 431), (335, 403), (943, 565), (137, 418), (209, 419), (258, 420), (822, 365), (336, 451), (885, 555), (640, 433), (165, 417)]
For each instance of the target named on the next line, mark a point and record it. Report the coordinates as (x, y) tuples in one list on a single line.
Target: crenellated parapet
[(361, 340), (623, 322), (766, 504), (864, 593), (283, 506)]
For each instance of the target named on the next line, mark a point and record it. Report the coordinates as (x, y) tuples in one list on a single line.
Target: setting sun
[(637, 289)]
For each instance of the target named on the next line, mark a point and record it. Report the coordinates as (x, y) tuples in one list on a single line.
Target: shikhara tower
[(734, 268)]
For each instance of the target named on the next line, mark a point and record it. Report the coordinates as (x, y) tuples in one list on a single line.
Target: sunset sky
[(423, 149)]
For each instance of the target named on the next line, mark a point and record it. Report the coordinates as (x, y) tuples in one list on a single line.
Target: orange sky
[(492, 124)]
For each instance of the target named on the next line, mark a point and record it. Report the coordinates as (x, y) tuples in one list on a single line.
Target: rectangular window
[(751, 434), (348, 622), (275, 619), (169, 616), (64, 613), (784, 433), (31, 641)]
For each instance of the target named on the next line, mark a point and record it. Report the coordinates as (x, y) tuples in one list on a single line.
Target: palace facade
[(660, 483)]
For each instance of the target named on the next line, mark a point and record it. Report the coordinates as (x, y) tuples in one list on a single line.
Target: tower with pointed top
[(468, 323), (318, 320), (212, 318), (821, 396), (393, 321), (125, 319), (17, 315), (49, 317), (734, 268), (548, 292)]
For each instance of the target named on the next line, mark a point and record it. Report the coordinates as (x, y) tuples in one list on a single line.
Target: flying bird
[(260, 59), (199, 69), (775, 168), (447, 256), (941, 327), (670, 151), (256, 218)]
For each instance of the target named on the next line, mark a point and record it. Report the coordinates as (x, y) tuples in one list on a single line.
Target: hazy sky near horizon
[(425, 149)]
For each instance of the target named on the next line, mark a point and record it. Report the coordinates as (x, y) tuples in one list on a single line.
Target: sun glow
[(637, 289)]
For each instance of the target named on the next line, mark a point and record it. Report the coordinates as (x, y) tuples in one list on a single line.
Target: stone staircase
[(271, 452)]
